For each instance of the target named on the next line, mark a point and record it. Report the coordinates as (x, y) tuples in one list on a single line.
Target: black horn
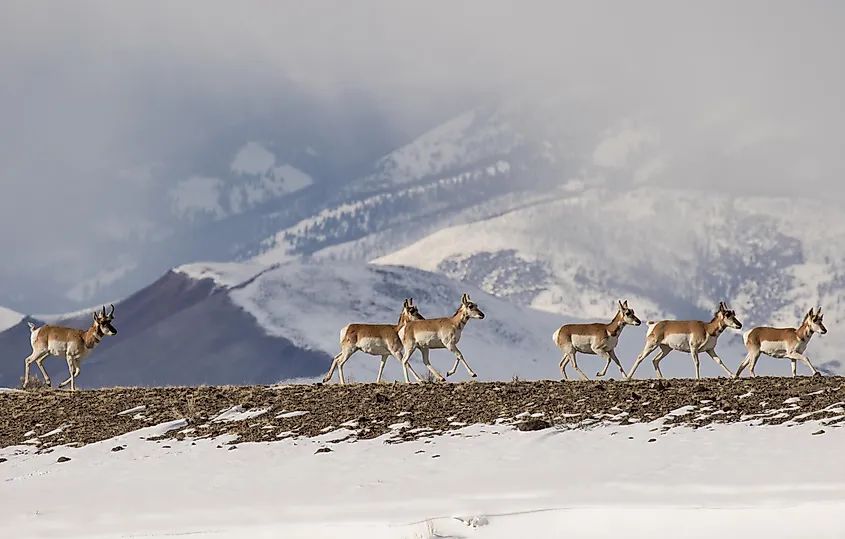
[(112, 309)]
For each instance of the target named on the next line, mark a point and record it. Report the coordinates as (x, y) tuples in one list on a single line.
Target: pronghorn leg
[(575, 366), (618, 363), (658, 358), (794, 368), (650, 346), (428, 364), (753, 364), (606, 356), (68, 381), (381, 367), (795, 355), (406, 365), (73, 368), (696, 362), (33, 357), (40, 364), (717, 359), (459, 358), (563, 363), (328, 377), (742, 364)]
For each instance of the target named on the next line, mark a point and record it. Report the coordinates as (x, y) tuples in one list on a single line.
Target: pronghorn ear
[(95, 316), (621, 307), (464, 299), (625, 303), (809, 314)]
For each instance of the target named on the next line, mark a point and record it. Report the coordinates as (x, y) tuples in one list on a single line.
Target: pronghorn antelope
[(71, 343), (594, 339), (782, 342), (374, 339), (692, 336), (438, 333)]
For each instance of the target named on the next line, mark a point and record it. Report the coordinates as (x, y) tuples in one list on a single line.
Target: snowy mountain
[(559, 206), (242, 323)]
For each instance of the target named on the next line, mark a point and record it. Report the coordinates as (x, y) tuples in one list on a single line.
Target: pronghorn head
[(814, 319), (627, 314), (728, 316), (410, 311), (469, 309), (103, 321)]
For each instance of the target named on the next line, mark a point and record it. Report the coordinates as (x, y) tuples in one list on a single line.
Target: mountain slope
[(250, 323), (672, 253)]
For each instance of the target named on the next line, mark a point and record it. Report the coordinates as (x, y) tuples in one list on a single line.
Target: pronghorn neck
[(715, 327), (804, 331), (460, 318), (92, 336), (614, 328)]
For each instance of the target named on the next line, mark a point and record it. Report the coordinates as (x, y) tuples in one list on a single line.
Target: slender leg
[(381, 367), (459, 358), (650, 346), (664, 350), (696, 362), (428, 364), (745, 362), (328, 377), (575, 366), (717, 359), (795, 355), (37, 359), (406, 366), (607, 359), (753, 364), (409, 349), (618, 363), (563, 362), (794, 368)]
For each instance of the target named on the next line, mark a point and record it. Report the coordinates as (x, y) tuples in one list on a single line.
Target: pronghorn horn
[(112, 309)]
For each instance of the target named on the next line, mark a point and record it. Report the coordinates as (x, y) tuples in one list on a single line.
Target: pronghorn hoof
[(474, 375)]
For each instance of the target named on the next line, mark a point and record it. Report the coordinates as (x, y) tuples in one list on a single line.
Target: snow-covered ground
[(489, 482)]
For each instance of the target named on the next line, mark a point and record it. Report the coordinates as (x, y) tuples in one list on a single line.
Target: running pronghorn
[(782, 342), (374, 339), (71, 343), (594, 339), (692, 336), (438, 333)]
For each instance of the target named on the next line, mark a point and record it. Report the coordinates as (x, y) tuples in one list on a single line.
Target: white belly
[(677, 341), (583, 344), (429, 339), (774, 348), (374, 346)]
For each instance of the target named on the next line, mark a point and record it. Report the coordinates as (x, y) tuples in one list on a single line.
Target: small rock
[(219, 447), (118, 448), (652, 439), (635, 396), (62, 459), (381, 399), (533, 424), (231, 447), (435, 456), (818, 432), (3, 460), (165, 447), (420, 451), (323, 450)]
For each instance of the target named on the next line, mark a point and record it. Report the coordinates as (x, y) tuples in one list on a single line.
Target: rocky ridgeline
[(48, 418)]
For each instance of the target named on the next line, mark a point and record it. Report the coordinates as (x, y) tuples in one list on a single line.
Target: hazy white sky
[(89, 86)]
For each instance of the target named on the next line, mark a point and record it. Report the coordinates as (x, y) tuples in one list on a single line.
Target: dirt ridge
[(47, 418)]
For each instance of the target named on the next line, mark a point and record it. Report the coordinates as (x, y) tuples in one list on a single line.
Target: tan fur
[(71, 343), (595, 339), (691, 336), (781, 343), (438, 333), (373, 339)]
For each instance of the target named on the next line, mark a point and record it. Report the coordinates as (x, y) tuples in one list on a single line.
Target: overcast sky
[(88, 87)]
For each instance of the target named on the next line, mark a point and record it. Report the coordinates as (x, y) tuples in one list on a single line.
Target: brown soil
[(409, 412)]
